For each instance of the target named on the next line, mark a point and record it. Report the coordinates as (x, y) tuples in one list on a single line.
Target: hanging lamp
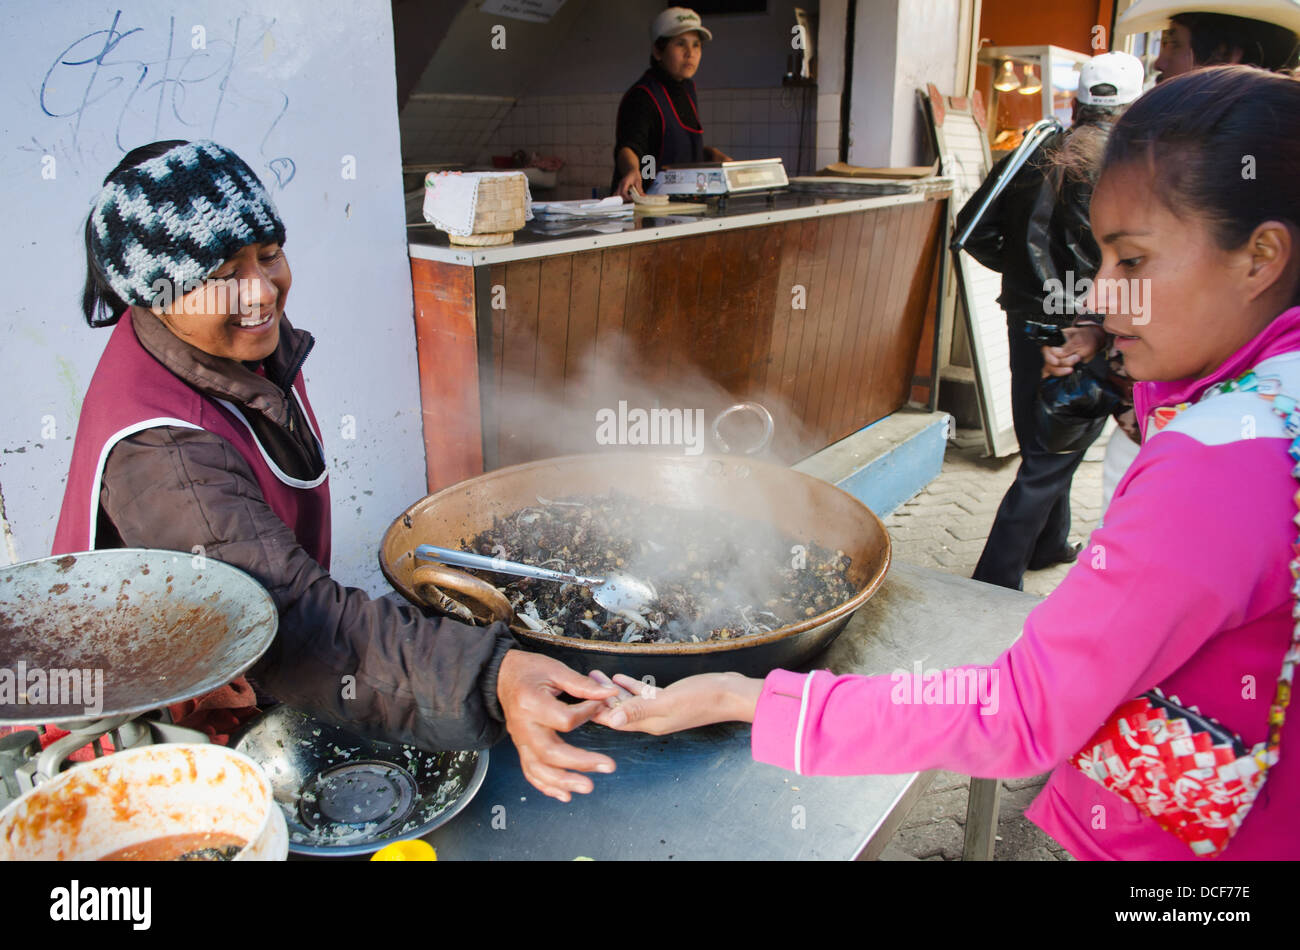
[(1007, 79)]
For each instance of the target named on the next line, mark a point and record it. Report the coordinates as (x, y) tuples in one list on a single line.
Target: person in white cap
[(659, 116), (1198, 33), (1037, 235)]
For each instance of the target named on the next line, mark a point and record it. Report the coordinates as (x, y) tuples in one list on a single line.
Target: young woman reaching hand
[(1188, 585)]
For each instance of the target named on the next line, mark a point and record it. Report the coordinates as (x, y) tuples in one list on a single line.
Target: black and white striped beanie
[(177, 218)]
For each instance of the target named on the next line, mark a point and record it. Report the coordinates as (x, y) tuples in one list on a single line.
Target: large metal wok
[(154, 627), (805, 508)]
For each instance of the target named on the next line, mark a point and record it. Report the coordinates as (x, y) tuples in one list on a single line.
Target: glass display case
[(1024, 84)]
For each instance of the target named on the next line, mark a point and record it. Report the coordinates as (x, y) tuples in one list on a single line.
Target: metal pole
[(1035, 137)]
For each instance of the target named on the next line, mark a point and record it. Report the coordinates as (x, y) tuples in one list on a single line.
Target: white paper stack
[(611, 207)]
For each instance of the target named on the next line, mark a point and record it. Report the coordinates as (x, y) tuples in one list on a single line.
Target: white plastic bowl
[(135, 796)]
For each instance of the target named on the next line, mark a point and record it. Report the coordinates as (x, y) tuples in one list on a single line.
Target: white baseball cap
[(675, 21), (1148, 15), (1121, 70)]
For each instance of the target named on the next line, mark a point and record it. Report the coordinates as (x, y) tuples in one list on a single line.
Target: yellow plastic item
[(414, 850)]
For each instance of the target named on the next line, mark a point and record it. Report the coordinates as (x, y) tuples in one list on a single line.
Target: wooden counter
[(504, 334)]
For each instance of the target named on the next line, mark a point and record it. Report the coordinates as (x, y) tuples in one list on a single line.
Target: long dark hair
[(1221, 146), (1216, 35), (100, 305)]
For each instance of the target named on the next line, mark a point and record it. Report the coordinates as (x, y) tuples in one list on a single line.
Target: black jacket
[(1036, 232)]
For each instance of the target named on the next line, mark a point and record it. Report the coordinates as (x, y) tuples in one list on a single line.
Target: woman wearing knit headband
[(196, 433)]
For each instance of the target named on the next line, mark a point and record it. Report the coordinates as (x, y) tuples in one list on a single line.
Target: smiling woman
[(236, 312), (196, 435)]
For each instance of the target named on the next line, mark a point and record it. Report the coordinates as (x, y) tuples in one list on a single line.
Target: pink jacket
[(1185, 587)]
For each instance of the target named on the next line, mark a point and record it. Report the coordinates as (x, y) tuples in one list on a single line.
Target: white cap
[(675, 21), (1148, 15), (1121, 70)]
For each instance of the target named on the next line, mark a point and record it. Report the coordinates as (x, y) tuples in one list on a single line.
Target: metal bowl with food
[(343, 795), (163, 802), (806, 509)]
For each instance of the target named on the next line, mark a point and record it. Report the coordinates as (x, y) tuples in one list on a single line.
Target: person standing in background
[(1037, 235), (1199, 33), (659, 116)]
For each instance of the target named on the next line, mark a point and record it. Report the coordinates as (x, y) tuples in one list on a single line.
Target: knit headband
[(177, 218)]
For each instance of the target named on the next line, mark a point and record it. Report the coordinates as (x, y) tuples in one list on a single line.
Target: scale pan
[(153, 627)]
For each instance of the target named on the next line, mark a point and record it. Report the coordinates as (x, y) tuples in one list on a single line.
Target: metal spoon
[(618, 591)]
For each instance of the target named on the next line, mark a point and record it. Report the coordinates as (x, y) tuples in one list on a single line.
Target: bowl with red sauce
[(157, 803)]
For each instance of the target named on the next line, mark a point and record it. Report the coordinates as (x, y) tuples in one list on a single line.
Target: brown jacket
[(430, 682)]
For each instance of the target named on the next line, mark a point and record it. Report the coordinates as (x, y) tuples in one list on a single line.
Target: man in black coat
[(1036, 234)]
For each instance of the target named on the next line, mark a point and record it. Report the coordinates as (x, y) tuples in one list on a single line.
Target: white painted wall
[(832, 26), (871, 110), (900, 46), (927, 53), (293, 92)]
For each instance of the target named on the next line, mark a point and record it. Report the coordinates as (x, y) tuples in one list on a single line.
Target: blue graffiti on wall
[(148, 85)]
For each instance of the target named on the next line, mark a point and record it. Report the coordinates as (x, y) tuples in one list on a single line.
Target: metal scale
[(720, 179), (114, 637)]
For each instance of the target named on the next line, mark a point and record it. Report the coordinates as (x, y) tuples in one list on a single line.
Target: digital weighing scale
[(715, 179)]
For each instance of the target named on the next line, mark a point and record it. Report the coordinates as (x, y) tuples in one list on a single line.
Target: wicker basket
[(499, 211)]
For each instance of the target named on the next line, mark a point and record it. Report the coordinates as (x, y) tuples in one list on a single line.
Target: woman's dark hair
[(100, 305), (1221, 146), (661, 44), (1216, 35)]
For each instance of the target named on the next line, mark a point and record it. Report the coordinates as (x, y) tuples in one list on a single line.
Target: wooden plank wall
[(446, 349), (720, 305)]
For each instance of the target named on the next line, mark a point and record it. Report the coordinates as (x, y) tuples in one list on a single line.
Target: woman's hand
[(629, 183), (695, 701), (1081, 345), (527, 685), (717, 155)]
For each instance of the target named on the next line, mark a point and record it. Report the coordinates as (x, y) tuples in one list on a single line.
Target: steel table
[(699, 794)]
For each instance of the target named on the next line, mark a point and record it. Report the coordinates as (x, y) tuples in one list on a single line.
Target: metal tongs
[(618, 591)]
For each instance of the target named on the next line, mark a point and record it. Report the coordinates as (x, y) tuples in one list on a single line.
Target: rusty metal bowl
[(805, 508), (152, 627)]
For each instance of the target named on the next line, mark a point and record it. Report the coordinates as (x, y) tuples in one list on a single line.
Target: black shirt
[(638, 125)]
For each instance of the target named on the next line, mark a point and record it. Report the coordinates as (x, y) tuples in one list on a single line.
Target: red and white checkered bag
[(1194, 782), (1186, 771)]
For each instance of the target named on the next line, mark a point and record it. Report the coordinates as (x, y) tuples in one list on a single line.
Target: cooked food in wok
[(717, 577)]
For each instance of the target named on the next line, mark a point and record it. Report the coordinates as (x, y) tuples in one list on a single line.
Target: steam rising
[(743, 527)]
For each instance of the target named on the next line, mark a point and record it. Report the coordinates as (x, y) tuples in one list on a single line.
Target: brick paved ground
[(945, 528)]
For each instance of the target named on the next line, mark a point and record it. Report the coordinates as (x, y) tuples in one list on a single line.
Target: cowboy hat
[(1148, 15)]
